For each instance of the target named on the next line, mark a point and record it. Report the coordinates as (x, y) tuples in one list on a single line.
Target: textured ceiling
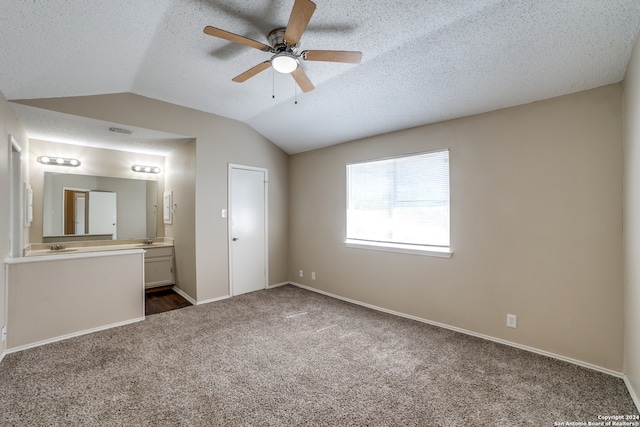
[(423, 61)]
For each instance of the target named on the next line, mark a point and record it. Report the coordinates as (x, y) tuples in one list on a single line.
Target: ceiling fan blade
[(217, 32), (252, 72), (351, 57), (303, 81), (298, 21)]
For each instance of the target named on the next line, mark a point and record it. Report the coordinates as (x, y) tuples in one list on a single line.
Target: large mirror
[(87, 207)]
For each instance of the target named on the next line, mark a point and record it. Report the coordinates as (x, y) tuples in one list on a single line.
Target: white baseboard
[(632, 393), (184, 295), (72, 335), (194, 302), (467, 332), (207, 301), (277, 285)]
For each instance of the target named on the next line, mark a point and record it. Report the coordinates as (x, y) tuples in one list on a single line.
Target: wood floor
[(161, 299)]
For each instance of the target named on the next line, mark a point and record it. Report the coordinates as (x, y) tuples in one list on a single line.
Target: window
[(400, 204)]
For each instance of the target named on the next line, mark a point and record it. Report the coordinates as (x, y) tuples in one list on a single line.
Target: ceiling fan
[(284, 43)]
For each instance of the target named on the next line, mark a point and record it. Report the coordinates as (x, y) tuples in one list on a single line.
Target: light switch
[(224, 213)]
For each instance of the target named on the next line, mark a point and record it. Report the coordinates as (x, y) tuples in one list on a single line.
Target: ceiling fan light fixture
[(284, 62)]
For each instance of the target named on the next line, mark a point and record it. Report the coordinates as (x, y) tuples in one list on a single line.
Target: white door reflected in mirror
[(102, 213)]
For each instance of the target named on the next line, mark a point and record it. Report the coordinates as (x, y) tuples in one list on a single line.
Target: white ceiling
[(423, 61)]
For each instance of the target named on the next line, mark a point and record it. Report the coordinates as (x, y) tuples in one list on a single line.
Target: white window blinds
[(403, 200)]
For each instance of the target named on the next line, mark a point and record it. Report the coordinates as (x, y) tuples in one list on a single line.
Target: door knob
[(235, 238)]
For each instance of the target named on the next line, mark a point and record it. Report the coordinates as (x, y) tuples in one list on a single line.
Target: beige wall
[(95, 162), (536, 227), (632, 223), (219, 141), (181, 179), (9, 125), (80, 293)]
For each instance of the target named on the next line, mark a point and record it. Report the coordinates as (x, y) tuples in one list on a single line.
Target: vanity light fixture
[(145, 169), (58, 161)]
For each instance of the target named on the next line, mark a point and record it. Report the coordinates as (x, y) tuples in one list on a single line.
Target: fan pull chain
[(295, 92), (273, 83)]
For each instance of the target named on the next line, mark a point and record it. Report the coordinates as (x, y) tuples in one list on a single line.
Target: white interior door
[(247, 229), (102, 213)]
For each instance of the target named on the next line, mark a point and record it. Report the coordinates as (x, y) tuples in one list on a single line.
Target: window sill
[(434, 251)]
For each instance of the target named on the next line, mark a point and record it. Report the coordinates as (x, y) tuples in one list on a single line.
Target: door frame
[(64, 206), (229, 213)]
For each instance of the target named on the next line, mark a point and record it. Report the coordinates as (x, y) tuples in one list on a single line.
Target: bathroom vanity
[(158, 261), (158, 266)]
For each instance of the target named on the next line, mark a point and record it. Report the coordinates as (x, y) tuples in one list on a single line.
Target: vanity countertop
[(42, 249)]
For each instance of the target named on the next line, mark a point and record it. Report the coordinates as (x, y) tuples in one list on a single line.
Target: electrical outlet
[(4, 333), (301, 273), (313, 275), (512, 320)]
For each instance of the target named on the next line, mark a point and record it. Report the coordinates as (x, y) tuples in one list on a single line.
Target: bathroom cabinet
[(158, 267)]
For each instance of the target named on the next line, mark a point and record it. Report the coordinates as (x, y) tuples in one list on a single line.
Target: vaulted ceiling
[(424, 61)]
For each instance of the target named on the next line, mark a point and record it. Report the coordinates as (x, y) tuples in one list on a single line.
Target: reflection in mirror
[(86, 206)]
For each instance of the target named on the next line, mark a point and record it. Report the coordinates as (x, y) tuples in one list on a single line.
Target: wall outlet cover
[(512, 320)]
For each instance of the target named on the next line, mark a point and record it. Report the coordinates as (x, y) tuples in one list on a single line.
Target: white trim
[(82, 253), (434, 251), (467, 332), (276, 285), (194, 302), (73, 335), (207, 301), (399, 156), (5, 269), (632, 392), (13, 144), (144, 290), (184, 295)]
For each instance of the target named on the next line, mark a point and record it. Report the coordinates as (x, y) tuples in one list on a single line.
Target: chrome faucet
[(148, 242), (57, 247)]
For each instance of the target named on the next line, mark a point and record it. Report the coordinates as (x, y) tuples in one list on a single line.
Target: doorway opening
[(75, 211)]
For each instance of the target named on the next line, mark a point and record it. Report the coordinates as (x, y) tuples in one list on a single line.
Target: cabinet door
[(158, 271)]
